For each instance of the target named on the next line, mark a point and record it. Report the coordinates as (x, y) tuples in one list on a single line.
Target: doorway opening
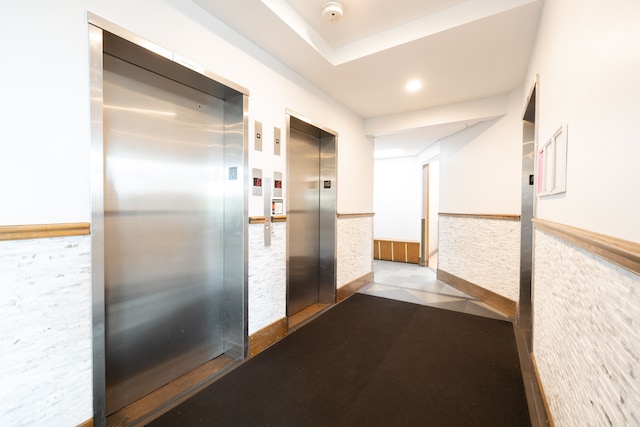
[(525, 306), (168, 244), (311, 216), (430, 207)]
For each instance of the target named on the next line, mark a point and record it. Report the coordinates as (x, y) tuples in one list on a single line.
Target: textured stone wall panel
[(267, 266), (267, 276), (354, 248), (483, 251), (46, 332), (586, 335)]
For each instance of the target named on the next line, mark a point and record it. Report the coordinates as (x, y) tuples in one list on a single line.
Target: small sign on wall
[(552, 164), (258, 136), (277, 207), (276, 141)]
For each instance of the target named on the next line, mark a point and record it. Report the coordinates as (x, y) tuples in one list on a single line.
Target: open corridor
[(418, 285)]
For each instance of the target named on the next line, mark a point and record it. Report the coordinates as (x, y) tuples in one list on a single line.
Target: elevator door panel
[(163, 204), (304, 221)]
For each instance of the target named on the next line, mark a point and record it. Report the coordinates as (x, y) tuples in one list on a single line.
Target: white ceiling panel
[(461, 50)]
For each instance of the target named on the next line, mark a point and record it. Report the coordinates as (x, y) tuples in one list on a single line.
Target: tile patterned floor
[(415, 284)]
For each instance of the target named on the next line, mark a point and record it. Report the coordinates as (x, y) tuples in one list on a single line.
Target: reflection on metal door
[(525, 303), (163, 225), (311, 216), (304, 208)]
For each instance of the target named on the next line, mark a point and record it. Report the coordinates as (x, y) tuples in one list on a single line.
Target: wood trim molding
[(279, 218), (623, 253), (41, 231), (257, 219), (267, 336), (507, 217), (395, 240), (353, 287), (502, 304), (88, 423), (538, 407), (545, 402), (354, 215)]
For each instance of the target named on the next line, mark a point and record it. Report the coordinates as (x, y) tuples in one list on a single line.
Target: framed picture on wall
[(552, 164)]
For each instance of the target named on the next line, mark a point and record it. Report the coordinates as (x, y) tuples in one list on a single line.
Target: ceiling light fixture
[(413, 85), (332, 11)]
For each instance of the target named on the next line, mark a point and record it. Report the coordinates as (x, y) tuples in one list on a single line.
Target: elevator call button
[(327, 184)]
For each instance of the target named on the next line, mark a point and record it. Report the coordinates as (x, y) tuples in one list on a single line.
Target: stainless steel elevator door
[(304, 220), (163, 203)]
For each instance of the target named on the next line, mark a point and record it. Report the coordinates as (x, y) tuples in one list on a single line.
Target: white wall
[(480, 173), (480, 167), (44, 113), (397, 199), (588, 60), (586, 333), (398, 193)]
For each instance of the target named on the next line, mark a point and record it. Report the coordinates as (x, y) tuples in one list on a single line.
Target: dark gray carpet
[(372, 361)]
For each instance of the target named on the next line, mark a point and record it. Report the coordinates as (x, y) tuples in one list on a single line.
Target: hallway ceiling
[(460, 50)]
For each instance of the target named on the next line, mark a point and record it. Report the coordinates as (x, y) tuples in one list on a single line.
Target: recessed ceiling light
[(413, 85)]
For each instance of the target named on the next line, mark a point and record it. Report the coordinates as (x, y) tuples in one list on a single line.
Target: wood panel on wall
[(386, 250), (413, 252), (397, 250)]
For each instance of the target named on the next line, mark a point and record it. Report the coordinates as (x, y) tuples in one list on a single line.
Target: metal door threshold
[(306, 315), (167, 397)]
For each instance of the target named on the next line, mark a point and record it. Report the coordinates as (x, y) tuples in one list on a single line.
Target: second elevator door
[(304, 220)]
